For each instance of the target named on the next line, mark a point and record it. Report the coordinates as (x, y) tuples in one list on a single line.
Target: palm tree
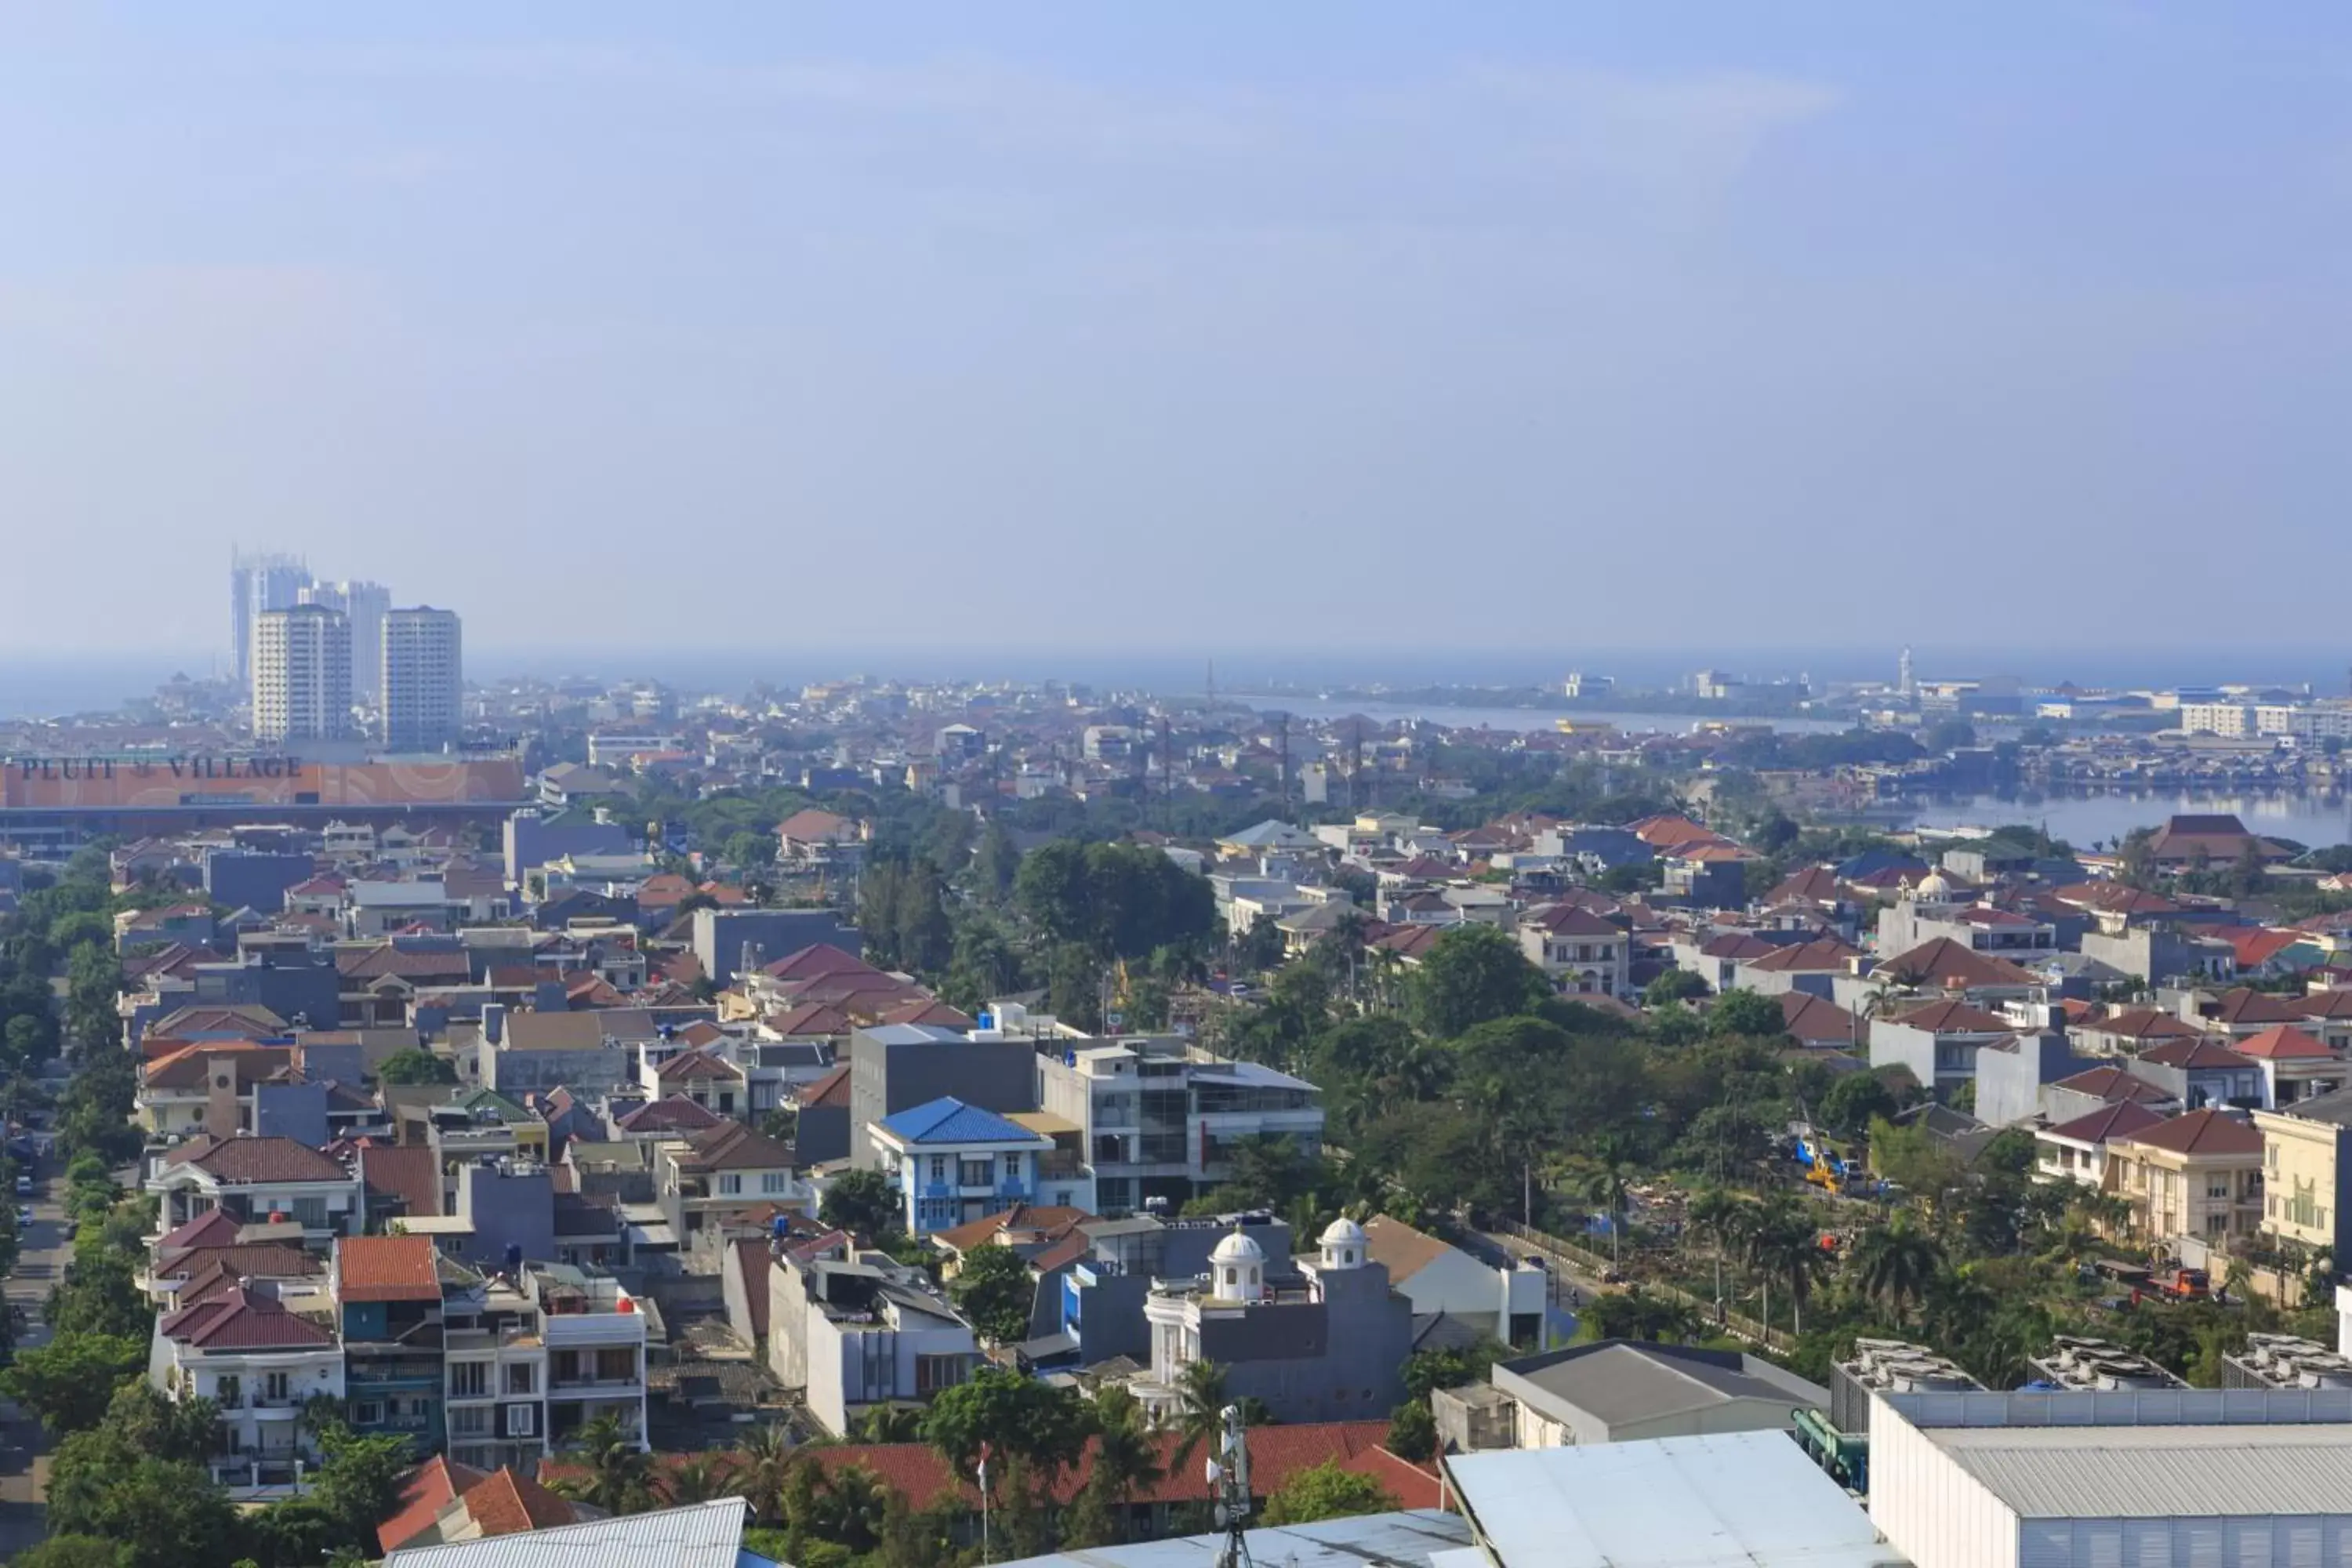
[(1199, 1411), (1778, 1242), (1127, 1454), (763, 1463), (1718, 1215), (1607, 1184), (619, 1478), (1896, 1266), (891, 1424), (699, 1477)]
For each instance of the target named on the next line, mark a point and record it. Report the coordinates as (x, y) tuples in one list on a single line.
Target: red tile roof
[(504, 1503), (2123, 1119), (1947, 962), (811, 1020), (386, 1269), (2243, 1006), (239, 1318), (1953, 1018), (697, 1067), (2114, 1084), (261, 1159), (410, 1176), (2284, 1042), (2141, 1023), (1812, 1018), (2202, 1051), (833, 1089), (673, 1114), (426, 1490), (2203, 1133)]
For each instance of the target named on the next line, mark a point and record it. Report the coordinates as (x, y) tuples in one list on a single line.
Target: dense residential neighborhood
[(896, 1126)]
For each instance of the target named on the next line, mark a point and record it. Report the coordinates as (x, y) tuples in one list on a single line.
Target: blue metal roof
[(950, 1121)]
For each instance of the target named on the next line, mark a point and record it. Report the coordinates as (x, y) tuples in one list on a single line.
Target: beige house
[(2199, 1174), (2304, 1169)]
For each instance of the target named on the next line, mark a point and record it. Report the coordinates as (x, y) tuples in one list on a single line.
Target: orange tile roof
[(428, 1489), (386, 1269)]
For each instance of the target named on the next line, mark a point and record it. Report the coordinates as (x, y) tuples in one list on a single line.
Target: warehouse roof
[(1750, 1498), (2149, 1472)]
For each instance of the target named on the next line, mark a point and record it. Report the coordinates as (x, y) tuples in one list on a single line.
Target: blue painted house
[(955, 1162)]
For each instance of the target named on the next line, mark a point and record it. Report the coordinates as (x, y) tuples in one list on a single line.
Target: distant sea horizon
[(41, 685)]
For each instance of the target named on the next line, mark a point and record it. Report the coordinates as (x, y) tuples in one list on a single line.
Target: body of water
[(2083, 820), (1522, 718)]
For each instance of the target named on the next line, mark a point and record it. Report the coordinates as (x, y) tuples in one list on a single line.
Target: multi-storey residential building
[(366, 604), (1578, 950), (2199, 1175), (424, 679), (259, 1181), (860, 1331), (594, 1331), (1159, 1120), (721, 1168), (955, 1162), (259, 1365), (388, 1292), (259, 580), (302, 675), (2307, 1172)]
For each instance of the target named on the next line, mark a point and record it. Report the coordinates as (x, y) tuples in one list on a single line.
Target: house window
[(469, 1380), (367, 1412), (934, 1373), (972, 1173), (519, 1378), (773, 1181), (1013, 1167), (616, 1366), (939, 1167), (730, 1184), (474, 1421), (274, 1386), (228, 1392), (522, 1420)]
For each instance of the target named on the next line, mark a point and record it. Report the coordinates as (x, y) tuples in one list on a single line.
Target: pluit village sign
[(191, 767)]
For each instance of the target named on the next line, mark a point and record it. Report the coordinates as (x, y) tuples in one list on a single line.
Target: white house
[(955, 1162), (259, 1364), (255, 1180), (856, 1332), (1437, 1277)]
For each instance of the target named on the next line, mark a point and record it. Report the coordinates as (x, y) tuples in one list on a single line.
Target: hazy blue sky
[(1184, 327)]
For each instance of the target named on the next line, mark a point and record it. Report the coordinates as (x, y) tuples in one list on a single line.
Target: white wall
[(1929, 1509)]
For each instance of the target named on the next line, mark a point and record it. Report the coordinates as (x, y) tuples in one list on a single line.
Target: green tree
[(414, 1065), (1896, 1266), (1744, 1011), (69, 1382), (1413, 1431), (748, 850), (1855, 1100), (764, 1460), (865, 1204), (1199, 1415), (1125, 1458), (1327, 1491), (2136, 860), (1471, 974), (358, 1484), (69, 1551), (619, 1475), (1012, 1417), (1674, 985), (1636, 1314), (2251, 875), (996, 1291)]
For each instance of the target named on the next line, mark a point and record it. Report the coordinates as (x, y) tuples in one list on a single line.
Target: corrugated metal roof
[(1752, 1499), (2148, 1472), (1405, 1540), (704, 1535)]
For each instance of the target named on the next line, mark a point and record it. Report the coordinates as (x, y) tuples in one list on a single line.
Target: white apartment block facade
[(424, 679), (301, 674)]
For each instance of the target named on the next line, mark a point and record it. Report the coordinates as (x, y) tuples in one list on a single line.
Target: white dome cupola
[(1237, 1269), (1343, 1244)]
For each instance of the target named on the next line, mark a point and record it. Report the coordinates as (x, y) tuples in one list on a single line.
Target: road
[(23, 1459)]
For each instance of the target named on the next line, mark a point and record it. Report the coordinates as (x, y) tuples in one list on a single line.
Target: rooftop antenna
[(1228, 1476)]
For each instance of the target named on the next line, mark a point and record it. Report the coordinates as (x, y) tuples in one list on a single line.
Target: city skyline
[(984, 314)]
